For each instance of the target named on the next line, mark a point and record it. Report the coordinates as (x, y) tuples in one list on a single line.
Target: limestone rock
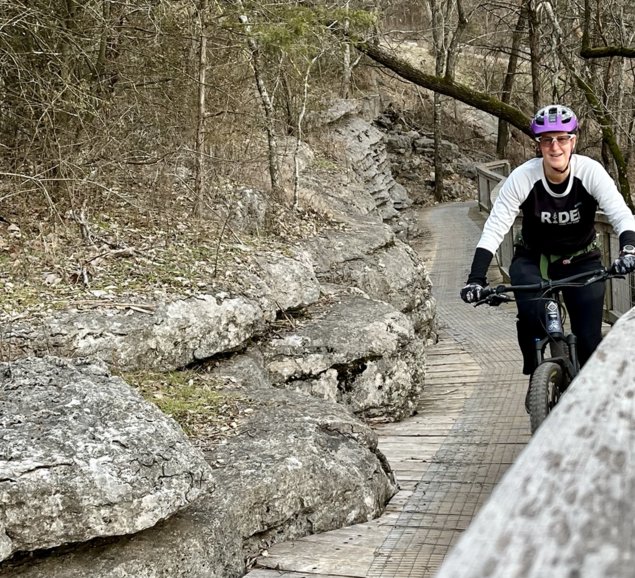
[(366, 107), (359, 351), (84, 456), (279, 471), (180, 332), (365, 151), (176, 334), (297, 466), (369, 256), (290, 281), (337, 194)]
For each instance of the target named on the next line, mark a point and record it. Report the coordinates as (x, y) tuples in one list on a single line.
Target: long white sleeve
[(506, 208)]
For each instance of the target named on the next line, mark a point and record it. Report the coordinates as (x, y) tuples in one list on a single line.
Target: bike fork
[(572, 341), (569, 363)]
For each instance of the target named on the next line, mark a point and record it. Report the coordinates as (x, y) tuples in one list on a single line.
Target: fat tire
[(545, 380)]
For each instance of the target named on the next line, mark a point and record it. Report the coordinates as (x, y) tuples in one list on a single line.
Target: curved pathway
[(470, 426)]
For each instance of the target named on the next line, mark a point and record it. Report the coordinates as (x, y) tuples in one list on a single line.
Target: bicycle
[(556, 371)]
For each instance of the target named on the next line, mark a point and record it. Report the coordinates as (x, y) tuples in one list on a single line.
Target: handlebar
[(496, 295)]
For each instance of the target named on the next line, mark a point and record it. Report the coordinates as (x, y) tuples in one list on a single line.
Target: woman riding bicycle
[(558, 193)]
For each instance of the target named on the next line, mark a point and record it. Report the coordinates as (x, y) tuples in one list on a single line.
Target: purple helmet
[(554, 118)]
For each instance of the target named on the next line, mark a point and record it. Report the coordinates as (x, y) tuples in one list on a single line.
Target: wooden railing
[(619, 292), (490, 176)]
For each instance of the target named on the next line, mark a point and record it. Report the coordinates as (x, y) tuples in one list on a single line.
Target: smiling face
[(556, 149)]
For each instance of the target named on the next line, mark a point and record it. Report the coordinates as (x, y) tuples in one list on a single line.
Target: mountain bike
[(556, 370)]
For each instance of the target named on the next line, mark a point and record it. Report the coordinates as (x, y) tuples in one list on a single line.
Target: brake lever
[(596, 278), (498, 299), (494, 300)]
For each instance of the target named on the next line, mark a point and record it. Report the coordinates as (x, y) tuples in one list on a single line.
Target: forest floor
[(126, 258)]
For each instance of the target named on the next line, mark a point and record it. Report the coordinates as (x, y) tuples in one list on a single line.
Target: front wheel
[(544, 391)]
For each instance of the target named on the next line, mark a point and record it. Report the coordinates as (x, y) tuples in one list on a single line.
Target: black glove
[(623, 264), (471, 292)]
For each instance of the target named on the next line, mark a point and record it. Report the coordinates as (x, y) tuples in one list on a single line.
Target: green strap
[(546, 260), (544, 267)]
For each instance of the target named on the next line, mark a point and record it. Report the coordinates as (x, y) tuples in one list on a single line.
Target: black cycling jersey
[(554, 223)]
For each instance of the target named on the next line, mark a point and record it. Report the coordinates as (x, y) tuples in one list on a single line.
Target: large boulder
[(173, 335), (337, 194), (369, 256), (355, 350), (296, 465), (84, 456)]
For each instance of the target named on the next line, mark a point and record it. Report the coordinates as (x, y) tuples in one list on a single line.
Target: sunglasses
[(547, 141)]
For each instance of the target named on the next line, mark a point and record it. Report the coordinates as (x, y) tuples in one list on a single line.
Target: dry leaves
[(120, 257)]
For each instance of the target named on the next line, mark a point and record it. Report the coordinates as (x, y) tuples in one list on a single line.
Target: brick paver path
[(493, 427)]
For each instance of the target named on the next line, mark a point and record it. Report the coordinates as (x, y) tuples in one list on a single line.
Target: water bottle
[(554, 323)]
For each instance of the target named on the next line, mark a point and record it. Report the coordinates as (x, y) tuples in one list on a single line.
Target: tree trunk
[(534, 52), (438, 159), (454, 47), (480, 100), (438, 37), (105, 73), (101, 64), (200, 181), (508, 83), (296, 167), (267, 105), (346, 68)]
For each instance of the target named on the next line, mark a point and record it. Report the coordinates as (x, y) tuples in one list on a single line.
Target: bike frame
[(570, 364), (553, 373)]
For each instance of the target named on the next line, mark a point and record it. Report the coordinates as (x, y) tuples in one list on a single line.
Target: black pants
[(584, 304)]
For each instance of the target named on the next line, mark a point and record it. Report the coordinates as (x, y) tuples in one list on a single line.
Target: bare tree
[(607, 51), (199, 183), (584, 81), (510, 76), (267, 105), (446, 44), (535, 53), (438, 42), (346, 65)]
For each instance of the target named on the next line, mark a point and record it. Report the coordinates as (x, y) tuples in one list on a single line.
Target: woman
[(558, 193)]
